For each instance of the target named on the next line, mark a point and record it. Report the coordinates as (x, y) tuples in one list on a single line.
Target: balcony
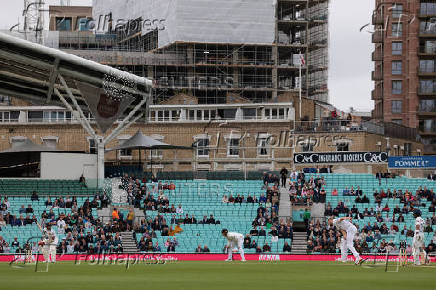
[(377, 94), (377, 55), (427, 109), (377, 19), (377, 75), (377, 37), (428, 51)]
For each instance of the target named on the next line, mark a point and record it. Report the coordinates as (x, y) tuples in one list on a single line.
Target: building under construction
[(216, 51)]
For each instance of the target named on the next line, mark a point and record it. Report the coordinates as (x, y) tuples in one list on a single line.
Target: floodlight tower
[(34, 20)]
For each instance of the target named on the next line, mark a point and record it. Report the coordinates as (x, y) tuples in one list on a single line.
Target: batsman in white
[(418, 238), (348, 231), (50, 241), (234, 240)]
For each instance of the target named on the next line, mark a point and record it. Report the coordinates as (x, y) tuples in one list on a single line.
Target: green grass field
[(217, 275)]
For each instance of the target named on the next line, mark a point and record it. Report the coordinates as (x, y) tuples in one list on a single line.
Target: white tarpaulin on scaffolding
[(210, 21)]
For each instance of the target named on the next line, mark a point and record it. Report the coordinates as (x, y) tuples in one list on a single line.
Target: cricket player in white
[(50, 240), (418, 238), (348, 231), (234, 240)]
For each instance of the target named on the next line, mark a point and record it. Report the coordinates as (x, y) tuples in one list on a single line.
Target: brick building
[(404, 66)]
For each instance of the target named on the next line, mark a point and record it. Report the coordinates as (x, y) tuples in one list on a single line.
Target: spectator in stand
[(115, 214), (287, 248), (206, 249), (306, 217), (225, 199), (254, 231), (199, 249), (179, 209), (262, 232), (266, 248), (204, 220), (283, 175), (211, 220), (34, 196), (334, 192)]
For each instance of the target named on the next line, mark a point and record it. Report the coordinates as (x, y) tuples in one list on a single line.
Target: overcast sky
[(350, 50)]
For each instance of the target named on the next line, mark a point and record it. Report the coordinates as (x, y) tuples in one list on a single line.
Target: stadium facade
[(221, 92)]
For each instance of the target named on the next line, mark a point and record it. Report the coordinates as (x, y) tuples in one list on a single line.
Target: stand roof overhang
[(30, 71)]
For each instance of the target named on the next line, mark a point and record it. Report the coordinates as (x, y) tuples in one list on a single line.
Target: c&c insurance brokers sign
[(412, 162)]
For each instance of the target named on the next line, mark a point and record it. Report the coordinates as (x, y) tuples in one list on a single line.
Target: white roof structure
[(206, 21), (36, 73), (47, 76)]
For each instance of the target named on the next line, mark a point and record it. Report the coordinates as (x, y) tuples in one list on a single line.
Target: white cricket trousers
[(53, 253), (238, 244), (348, 244), (46, 253), (418, 247)]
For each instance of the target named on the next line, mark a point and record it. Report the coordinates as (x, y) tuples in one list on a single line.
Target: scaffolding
[(213, 71)]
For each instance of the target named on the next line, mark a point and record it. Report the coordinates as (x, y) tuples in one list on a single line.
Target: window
[(428, 8), (397, 121), (249, 113), (233, 147), (429, 46), (63, 23), (397, 10), (342, 146), (428, 125), (427, 105), (397, 67), (397, 107), (17, 140), (397, 48), (50, 141), (262, 147), (427, 66), (307, 145), (427, 27), (9, 116), (157, 153), (397, 29), (83, 24), (6, 100), (203, 147), (124, 153), (92, 146), (427, 86), (397, 87)]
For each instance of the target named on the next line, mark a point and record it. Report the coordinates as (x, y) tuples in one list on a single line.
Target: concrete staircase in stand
[(128, 242), (299, 243), (285, 206)]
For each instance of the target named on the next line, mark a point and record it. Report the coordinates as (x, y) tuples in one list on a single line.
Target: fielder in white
[(418, 238), (234, 240), (348, 231)]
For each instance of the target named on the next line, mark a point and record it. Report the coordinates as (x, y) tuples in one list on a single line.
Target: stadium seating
[(203, 198), (24, 187), (368, 184)]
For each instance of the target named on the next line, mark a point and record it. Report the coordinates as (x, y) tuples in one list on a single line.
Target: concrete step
[(128, 242)]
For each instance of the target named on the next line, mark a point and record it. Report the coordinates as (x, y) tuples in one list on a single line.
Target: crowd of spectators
[(305, 192), (79, 230)]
